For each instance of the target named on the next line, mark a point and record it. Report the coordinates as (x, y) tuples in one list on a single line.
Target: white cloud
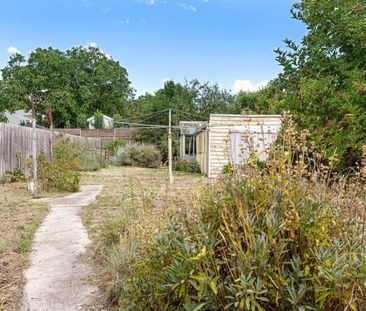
[(153, 2), (106, 10), (92, 44), (13, 50), (87, 3), (187, 6), (123, 22), (248, 86)]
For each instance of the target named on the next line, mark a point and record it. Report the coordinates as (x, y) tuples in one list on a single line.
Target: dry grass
[(20, 218), (134, 205)]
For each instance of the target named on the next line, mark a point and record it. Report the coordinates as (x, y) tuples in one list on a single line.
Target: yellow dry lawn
[(19, 219), (135, 204), (144, 192)]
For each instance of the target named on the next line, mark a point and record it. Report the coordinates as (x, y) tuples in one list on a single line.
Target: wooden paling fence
[(16, 145), (122, 133)]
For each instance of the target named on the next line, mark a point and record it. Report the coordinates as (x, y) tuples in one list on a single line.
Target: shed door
[(250, 140)]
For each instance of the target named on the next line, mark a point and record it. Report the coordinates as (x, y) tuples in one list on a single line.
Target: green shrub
[(113, 146), (89, 162), (15, 175), (59, 173), (138, 155), (285, 236), (187, 166), (70, 183)]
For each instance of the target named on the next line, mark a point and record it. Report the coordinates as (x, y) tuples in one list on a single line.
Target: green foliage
[(89, 162), (196, 100), (187, 166), (114, 145), (323, 79), (228, 169), (82, 121), (98, 120), (112, 229), (60, 173), (117, 120), (246, 103), (15, 175), (284, 237), (138, 155), (78, 82)]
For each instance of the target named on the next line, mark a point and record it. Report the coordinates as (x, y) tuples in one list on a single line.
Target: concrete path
[(57, 278)]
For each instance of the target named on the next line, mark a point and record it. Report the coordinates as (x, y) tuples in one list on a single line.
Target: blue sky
[(223, 41)]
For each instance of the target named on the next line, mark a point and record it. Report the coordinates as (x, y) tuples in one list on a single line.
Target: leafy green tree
[(191, 101), (82, 121), (117, 120), (77, 81), (245, 103), (208, 99), (323, 82)]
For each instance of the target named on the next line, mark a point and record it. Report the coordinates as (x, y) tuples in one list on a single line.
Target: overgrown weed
[(287, 234), (140, 199)]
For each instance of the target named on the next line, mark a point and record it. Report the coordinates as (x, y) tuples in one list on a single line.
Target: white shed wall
[(220, 128)]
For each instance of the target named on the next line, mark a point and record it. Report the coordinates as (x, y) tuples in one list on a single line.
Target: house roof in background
[(18, 116), (104, 116)]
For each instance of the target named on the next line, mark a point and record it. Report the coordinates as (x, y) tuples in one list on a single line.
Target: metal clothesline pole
[(170, 149)]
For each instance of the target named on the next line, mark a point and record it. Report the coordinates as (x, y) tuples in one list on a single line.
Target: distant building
[(107, 122), (19, 117)]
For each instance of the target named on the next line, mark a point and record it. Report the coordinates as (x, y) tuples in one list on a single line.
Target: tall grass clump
[(284, 235), (141, 155)]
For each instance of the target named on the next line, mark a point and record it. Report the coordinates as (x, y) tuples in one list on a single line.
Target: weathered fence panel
[(16, 145)]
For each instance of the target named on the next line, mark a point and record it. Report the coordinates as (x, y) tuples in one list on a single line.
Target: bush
[(138, 155), (15, 175), (60, 173), (113, 146), (90, 161), (187, 166), (279, 236)]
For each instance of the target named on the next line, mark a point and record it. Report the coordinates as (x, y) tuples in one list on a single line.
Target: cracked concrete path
[(57, 278)]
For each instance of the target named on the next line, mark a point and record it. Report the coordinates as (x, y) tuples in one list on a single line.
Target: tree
[(98, 120), (191, 101), (77, 82), (323, 80), (117, 120), (82, 121)]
